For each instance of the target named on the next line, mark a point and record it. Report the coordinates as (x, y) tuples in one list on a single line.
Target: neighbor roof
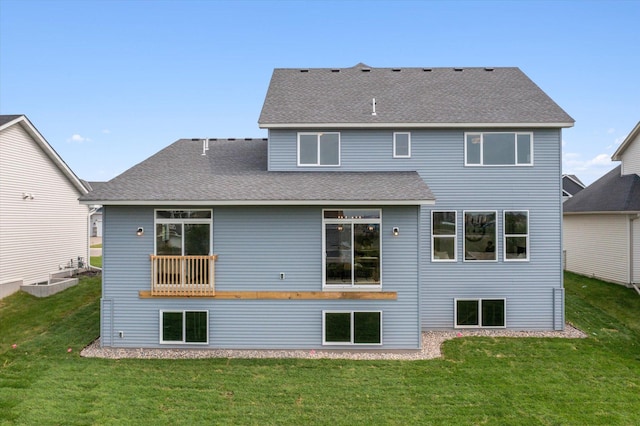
[(617, 156), (611, 193), (234, 172), (571, 185), (413, 97)]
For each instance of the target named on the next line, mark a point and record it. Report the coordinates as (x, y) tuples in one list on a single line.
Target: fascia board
[(411, 125), (258, 202)]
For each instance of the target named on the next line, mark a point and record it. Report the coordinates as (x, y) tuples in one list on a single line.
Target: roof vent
[(205, 146), (335, 70), (427, 69), (304, 70), (195, 139), (231, 139), (489, 69), (396, 69), (373, 106), (248, 139), (366, 70), (458, 69)]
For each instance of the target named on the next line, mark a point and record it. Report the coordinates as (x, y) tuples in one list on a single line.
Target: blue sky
[(109, 83)]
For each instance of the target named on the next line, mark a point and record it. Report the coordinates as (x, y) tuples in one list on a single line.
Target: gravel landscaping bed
[(431, 342)]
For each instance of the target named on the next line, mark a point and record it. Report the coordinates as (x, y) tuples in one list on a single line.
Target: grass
[(96, 261), (97, 245), (480, 380)]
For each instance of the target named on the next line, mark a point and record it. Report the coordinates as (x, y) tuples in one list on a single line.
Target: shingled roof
[(235, 172), (412, 97), (611, 193)]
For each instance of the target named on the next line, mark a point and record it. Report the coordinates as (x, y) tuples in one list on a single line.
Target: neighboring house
[(571, 185), (43, 227), (602, 222), (384, 202), (95, 221)]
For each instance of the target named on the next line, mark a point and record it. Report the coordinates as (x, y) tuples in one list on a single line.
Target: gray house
[(384, 202)]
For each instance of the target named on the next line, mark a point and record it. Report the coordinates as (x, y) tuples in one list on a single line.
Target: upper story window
[(319, 149), (183, 232), (401, 145), (351, 244), (498, 149)]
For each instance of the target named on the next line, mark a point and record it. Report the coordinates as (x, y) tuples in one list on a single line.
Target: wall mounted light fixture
[(140, 231), (396, 231)]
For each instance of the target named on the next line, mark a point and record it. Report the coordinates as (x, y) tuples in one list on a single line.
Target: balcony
[(183, 276)]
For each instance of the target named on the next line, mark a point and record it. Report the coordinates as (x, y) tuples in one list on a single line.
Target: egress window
[(351, 328), (498, 149), (184, 327), (319, 149), (476, 313)]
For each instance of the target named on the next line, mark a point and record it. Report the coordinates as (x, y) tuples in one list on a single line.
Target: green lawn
[(594, 381), (96, 261)]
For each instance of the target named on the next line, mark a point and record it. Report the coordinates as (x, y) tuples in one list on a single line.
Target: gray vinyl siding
[(254, 245), (37, 235), (438, 156)]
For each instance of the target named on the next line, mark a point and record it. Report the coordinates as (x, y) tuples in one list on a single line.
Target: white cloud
[(611, 130), (78, 138), (106, 131)]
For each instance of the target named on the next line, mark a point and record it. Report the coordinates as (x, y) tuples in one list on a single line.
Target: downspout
[(631, 252)]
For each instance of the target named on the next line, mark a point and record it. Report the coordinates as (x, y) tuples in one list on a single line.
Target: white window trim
[(352, 322), (454, 237), (157, 221), (317, 134), (481, 164), (505, 235), (464, 236), (395, 155), (184, 325), (343, 287), (479, 300)]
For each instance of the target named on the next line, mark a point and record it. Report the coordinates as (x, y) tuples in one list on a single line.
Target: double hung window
[(184, 327), (319, 149), (480, 236), (516, 235), (183, 232), (351, 328), (476, 313), (498, 149), (443, 232), (351, 243)]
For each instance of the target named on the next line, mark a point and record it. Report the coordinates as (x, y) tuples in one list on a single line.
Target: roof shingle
[(235, 171), (611, 193), (428, 96)]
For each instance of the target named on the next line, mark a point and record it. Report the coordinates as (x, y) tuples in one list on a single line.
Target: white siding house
[(602, 222), (43, 227)]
